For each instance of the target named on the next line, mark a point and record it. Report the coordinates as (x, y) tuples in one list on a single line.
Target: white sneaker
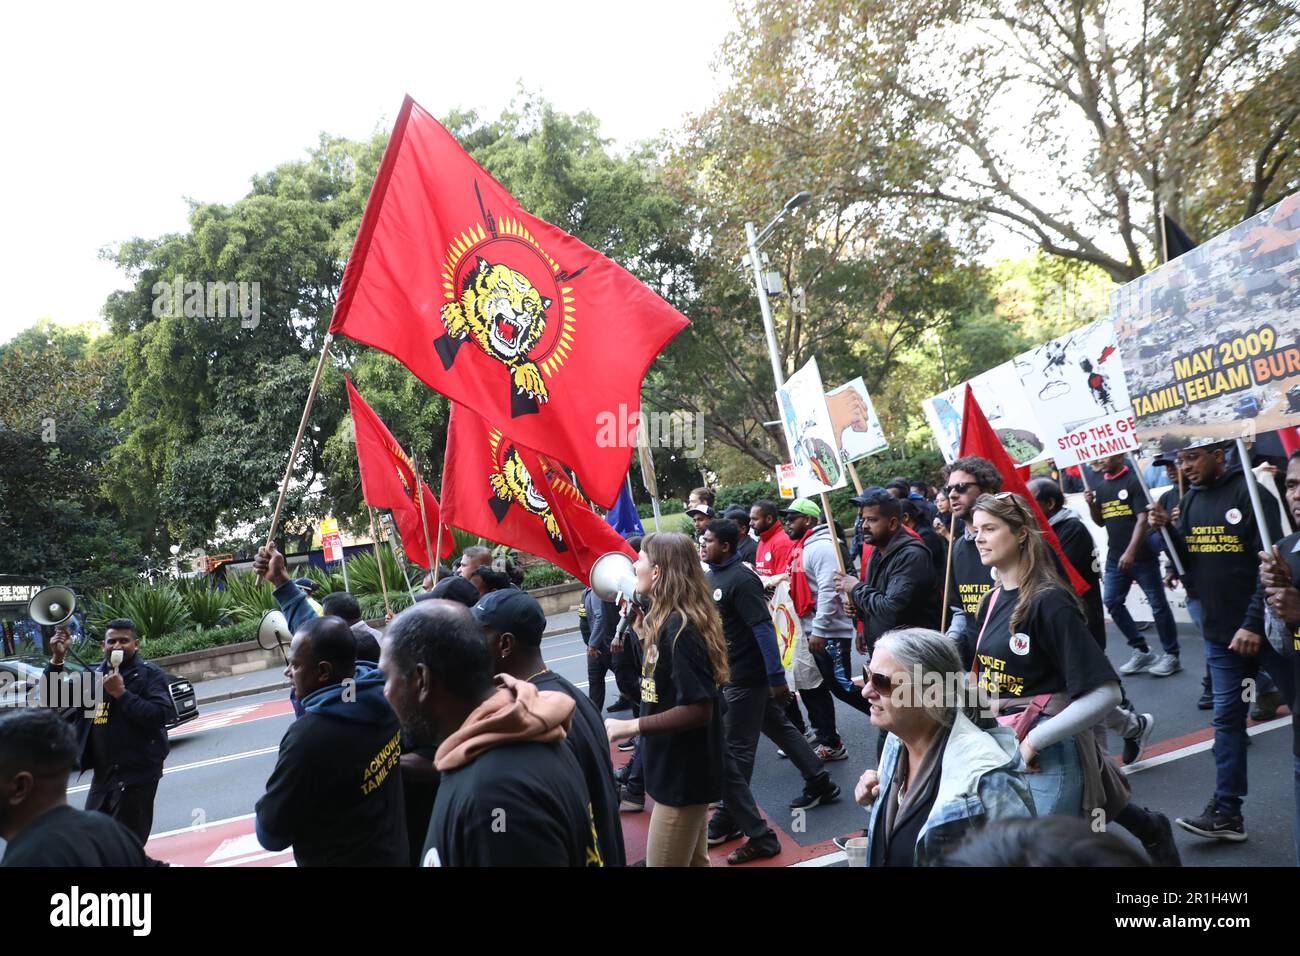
[(1140, 661), (1168, 664)]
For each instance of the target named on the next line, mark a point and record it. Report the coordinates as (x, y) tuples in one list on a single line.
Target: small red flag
[(498, 489), (978, 438), (387, 477), (498, 310)]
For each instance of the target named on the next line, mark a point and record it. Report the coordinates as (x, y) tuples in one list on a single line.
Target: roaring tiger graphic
[(512, 483), (506, 316)]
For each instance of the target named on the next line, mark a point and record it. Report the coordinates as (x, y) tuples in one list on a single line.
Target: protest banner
[(1211, 340), (1077, 386), (854, 420), (808, 432), (1006, 406), (785, 480)]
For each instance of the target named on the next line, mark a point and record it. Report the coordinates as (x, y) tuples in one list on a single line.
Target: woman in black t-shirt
[(680, 727), (1034, 654)]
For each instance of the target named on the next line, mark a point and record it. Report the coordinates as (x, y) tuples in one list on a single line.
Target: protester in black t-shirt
[(1218, 541), (38, 751), (1279, 575), (511, 792), (513, 623), (756, 697), (1076, 541), (1051, 681), (969, 580), (1118, 503), (680, 727), (335, 794)]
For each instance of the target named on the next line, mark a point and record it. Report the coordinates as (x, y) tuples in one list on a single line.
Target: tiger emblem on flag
[(511, 483), (505, 315)]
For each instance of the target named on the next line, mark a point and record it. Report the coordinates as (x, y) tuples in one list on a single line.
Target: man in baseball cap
[(513, 623), (701, 514)]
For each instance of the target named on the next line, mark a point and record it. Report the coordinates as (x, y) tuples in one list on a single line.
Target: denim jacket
[(981, 778)]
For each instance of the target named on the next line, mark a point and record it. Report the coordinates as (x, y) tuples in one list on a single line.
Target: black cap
[(512, 610), (306, 584), (874, 492), (735, 511), (1165, 458), (453, 587)]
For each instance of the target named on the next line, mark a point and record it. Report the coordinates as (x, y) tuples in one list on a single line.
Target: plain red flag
[(978, 438), (498, 310), (498, 489), (387, 477)]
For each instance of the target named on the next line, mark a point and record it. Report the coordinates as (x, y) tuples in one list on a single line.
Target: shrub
[(208, 606), (157, 610), (544, 575), (250, 596)]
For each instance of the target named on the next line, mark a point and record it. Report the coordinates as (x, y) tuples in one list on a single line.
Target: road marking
[(199, 764), (830, 859), (233, 716), (1204, 740)]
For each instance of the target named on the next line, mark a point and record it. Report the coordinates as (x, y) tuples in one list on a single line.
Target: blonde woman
[(684, 665)]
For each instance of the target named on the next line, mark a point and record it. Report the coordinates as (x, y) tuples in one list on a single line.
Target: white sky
[(114, 113)]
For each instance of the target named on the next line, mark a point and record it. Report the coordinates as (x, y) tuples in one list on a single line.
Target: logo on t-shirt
[(1233, 516), (1123, 494), (767, 556), (1020, 644), (717, 594)]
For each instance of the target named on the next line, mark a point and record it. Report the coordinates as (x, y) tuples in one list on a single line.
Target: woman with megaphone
[(680, 724)]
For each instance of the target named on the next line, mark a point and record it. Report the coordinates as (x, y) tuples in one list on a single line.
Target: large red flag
[(501, 490), (387, 477), (978, 438), (498, 310)]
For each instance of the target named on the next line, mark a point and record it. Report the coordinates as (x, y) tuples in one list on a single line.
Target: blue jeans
[(840, 650), (1227, 672), (1147, 575), (1058, 786)]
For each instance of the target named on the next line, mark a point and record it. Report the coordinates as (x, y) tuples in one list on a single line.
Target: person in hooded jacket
[(335, 794)]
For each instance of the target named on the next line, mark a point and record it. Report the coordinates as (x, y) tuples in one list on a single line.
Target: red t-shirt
[(773, 555)]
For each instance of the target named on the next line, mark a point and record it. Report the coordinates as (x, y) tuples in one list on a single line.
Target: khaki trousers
[(679, 836)]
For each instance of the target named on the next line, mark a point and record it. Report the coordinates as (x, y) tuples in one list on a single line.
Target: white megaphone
[(273, 632), (612, 578), (52, 606)]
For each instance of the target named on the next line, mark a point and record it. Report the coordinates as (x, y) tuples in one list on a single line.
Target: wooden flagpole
[(297, 442), (424, 520), (947, 573), (374, 541)]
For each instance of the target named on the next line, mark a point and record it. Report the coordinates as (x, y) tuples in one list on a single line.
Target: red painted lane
[(234, 715), (224, 843)]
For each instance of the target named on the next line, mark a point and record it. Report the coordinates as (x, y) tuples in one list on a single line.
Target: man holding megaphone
[(123, 741)]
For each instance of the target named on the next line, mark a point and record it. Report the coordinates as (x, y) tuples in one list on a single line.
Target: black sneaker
[(621, 704), (1213, 825), (723, 830), (1266, 706), (1162, 850), (751, 850), (1206, 700), (1133, 746), (629, 802), (627, 746), (821, 789), (622, 773)]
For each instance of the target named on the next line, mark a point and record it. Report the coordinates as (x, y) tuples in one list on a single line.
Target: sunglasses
[(883, 683), (961, 487)]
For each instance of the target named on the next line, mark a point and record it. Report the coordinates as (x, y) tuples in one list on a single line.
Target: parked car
[(19, 676)]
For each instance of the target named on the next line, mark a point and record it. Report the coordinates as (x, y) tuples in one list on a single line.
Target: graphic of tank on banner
[(1077, 387), (1211, 340), (854, 420), (808, 432), (1005, 405)]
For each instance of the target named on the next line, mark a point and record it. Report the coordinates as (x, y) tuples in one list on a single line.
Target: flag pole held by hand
[(297, 442), (947, 568)]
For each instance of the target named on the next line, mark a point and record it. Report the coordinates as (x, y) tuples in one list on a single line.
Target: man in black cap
[(452, 588), (309, 587), (513, 623), (747, 549)]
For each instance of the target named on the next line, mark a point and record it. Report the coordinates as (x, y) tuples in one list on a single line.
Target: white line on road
[(1201, 747), (199, 829), (200, 763), (830, 859)]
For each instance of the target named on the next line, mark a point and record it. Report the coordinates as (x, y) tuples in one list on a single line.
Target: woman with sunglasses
[(940, 776), (679, 729)]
